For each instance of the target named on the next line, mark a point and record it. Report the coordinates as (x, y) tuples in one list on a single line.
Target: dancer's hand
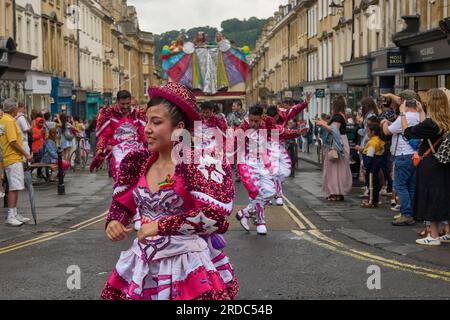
[(117, 232), (148, 230), (308, 98), (97, 161)]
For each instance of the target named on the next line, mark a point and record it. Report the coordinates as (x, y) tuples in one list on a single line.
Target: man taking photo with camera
[(402, 151)]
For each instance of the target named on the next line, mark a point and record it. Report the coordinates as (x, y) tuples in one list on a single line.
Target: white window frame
[(320, 65), (320, 10), (330, 57), (325, 59)]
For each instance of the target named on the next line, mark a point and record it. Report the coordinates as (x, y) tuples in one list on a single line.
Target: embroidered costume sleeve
[(211, 187), (288, 134), (133, 166), (293, 112), (103, 131)]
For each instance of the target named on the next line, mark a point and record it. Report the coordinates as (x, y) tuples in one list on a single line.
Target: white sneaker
[(396, 208), (445, 239), (261, 230), (22, 219), (2, 195), (280, 202), (365, 194), (429, 241), (243, 220), (13, 222)]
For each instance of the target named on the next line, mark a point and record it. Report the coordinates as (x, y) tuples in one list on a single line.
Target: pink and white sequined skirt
[(193, 275)]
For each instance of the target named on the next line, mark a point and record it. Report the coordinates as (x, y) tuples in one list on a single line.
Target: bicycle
[(80, 156)]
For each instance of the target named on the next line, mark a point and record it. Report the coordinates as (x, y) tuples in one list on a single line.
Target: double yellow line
[(308, 231), (53, 235)]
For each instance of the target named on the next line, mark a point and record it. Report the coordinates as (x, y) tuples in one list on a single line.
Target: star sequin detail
[(211, 168), (207, 224), (187, 229)]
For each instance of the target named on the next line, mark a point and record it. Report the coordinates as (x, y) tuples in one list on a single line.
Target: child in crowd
[(372, 159)]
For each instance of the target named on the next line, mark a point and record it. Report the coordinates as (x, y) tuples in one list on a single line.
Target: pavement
[(85, 193), (371, 227)]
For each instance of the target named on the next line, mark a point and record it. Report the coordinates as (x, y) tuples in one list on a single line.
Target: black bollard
[(61, 187)]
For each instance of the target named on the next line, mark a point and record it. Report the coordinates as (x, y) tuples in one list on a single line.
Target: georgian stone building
[(353, 48)]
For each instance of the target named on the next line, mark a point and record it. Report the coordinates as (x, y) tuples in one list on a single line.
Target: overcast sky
[(159, 16)]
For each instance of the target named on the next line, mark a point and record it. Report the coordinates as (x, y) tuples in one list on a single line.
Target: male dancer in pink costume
[(259, 166), (280, 154), (121, 127)]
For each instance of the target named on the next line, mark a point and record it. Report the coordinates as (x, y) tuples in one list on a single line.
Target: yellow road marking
[(363, 255), (375, 257), (97, 217), (45, 235), (309, 223), (362, 258), (297, 221), (50, 236)]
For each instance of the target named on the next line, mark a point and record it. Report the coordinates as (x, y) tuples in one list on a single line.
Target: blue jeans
[(405, 183)]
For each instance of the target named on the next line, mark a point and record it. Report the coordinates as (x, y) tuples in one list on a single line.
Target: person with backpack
[(402, 151), (67, 135), (432, 201)]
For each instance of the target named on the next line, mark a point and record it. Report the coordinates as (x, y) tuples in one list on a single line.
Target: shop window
[(425, 83)]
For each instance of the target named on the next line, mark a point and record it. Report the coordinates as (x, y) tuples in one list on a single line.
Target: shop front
[(387, 71), (107, 99), (358, 77), (320, 98), (92, 104), (38, 89), (427, 58), (61, 96), (79, 104), (337, 88), (13, 68)]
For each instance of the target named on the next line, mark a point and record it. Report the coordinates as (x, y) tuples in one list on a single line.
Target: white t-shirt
[(400, 145), (24, 127)]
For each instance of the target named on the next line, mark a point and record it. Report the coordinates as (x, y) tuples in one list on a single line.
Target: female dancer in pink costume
[(177, 254)]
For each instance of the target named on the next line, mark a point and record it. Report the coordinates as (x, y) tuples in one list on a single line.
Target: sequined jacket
[(110, 120), (287, 114), (207, 202), (269, 124)]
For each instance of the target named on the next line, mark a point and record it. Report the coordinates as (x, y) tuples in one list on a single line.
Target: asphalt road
[(302, 257)]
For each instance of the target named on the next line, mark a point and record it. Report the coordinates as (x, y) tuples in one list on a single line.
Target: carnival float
[(216, 71)]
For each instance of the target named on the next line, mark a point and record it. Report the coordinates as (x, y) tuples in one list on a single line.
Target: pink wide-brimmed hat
[(179, 95)]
